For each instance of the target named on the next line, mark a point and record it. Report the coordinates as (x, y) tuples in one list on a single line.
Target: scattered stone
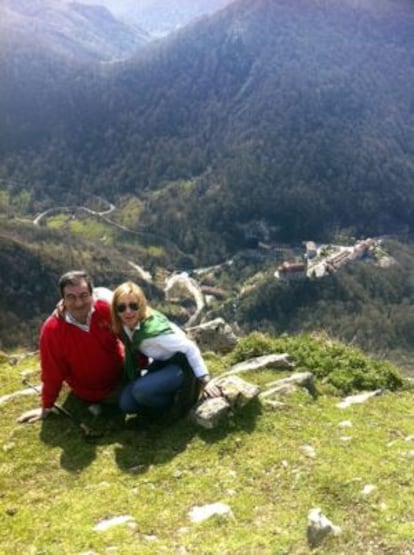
[(200, 513), (5, 398), (309, 451), (319, 526), (345, 424), (359, 398), (290, 384), (369, 488), (116, 521), (345, 438), (11, 511)]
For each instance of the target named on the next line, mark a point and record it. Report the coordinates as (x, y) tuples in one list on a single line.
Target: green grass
[(55, 487)]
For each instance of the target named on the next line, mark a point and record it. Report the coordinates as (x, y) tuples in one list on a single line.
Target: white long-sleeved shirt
[(162, 347)]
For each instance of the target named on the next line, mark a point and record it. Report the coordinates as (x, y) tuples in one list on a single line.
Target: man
[(78, 347)]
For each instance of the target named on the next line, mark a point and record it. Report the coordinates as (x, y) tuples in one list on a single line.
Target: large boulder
[(216, 336)]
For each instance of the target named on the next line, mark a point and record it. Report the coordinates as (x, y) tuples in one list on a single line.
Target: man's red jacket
[(89, 362)]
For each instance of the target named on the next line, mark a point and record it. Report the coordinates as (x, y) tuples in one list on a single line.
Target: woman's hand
[(209, 387)]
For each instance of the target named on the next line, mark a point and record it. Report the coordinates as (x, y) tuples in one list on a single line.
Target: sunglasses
[(123, 306)]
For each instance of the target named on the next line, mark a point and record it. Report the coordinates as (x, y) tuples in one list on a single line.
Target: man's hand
[(59, 311), (33, 415)]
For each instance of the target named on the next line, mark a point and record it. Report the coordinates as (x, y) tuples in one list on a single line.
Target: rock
[(110, 522), (309, 451), (319, 526), (200, 513), (236, 393), (289, 384), (259, 363), (5, 398), (369, 488), (345, 424), (216, 336), (210, 412), (359, 398)]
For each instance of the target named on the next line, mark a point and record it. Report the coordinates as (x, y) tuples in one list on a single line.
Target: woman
[(176, 372)]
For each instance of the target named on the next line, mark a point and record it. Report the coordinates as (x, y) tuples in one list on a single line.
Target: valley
[(203, 160)]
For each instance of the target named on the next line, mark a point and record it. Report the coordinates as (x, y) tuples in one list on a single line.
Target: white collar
[(129, 332), (71, 320)]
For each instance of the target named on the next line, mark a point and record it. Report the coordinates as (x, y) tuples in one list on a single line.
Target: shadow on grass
[(156, 443), (79, 449), (244, 419), (138, 442)]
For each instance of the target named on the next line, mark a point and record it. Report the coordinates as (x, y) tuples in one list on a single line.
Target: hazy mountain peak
[(160, 17), (71, 29)]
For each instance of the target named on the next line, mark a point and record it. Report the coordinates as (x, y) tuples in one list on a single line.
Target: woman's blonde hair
[(128, 288)]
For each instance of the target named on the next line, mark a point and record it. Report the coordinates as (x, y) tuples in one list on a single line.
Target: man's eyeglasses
[(71, 297), (123, 306)]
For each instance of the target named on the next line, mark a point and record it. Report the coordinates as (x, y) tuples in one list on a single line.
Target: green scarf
[(154, 325)]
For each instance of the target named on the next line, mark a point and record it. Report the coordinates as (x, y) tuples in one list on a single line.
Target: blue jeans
[(154, 390)]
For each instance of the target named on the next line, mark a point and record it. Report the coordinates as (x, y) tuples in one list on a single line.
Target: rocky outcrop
[(235, 393)]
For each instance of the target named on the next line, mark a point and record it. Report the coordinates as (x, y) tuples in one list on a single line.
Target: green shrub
[(254, 345), (337, 367)]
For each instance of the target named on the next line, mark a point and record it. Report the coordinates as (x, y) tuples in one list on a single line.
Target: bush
[(339, 368)]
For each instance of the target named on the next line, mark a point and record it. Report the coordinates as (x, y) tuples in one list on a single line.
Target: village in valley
[(322, 260)]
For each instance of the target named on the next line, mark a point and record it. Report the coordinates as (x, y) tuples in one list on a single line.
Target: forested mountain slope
[(295, 115)]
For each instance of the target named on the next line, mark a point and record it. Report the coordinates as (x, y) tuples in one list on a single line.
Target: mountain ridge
[(284, 111), (72, 30), (160, 17)]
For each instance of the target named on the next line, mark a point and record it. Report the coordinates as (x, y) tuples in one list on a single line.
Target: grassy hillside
[(56, 488)]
